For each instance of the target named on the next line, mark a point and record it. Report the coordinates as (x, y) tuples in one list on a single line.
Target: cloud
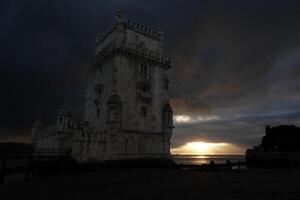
[(191, 106), (186, 119)]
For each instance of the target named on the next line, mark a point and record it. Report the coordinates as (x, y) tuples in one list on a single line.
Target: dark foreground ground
[(159, 184)]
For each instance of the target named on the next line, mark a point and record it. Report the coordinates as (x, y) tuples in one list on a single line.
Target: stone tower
[(127, 105)]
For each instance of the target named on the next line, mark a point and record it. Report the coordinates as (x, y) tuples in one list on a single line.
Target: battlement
[(156, 34)]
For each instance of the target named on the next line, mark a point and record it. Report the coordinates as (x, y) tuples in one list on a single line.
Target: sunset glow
[(206, 148)]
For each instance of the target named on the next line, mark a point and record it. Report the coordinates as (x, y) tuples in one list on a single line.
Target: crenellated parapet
[(155, 34)]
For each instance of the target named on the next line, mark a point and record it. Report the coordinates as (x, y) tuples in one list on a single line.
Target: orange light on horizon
[(206, 148)]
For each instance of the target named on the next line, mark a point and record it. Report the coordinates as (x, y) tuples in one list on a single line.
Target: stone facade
[(56, 138), (127, 111)]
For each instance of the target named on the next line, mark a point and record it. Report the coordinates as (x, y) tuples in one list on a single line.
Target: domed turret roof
[(65, 110)]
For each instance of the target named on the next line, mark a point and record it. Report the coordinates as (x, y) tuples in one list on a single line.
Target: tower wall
[(126, 97), (100, 87)]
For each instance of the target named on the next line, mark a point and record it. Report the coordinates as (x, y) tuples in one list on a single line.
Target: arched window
[(166, 82), (143, 112), (98, 89), (145, 87), (98, 113), (61, 120), (114, 105)]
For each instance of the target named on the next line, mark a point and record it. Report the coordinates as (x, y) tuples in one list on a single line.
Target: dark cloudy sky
[(236, 64)]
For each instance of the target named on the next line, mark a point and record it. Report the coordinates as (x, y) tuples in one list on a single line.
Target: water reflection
[(206, 159)]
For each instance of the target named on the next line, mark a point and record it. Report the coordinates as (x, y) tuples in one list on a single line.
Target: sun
[(199, 147)]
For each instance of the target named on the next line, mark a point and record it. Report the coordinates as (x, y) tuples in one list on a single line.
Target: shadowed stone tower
[(127, 111)]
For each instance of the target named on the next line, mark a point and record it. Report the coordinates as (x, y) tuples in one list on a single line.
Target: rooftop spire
[(120, 17), (66, 103), (65, 110)]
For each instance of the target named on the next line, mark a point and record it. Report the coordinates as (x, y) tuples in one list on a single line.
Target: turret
[(36, 129), (120, 17), (64, 118)]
